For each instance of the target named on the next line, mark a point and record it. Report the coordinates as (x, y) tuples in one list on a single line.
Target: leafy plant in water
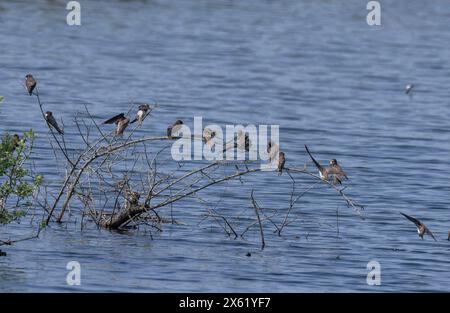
[(17, 185)]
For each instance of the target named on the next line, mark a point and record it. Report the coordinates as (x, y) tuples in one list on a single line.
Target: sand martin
[(333, 169), (121, 121), (409, 88), (421, 228), (281, 162), (30, 83), (141, 113), (52, 122), (272, 150), (174, 128)]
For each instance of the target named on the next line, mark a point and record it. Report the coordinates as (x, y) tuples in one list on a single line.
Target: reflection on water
[(314, 68)]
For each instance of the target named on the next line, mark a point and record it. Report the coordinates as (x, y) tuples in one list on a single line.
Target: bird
[(141, 114), (208, 135), (52, 122), (448, 238), (272, 150), (15, 142), (121, 121), (409, 88), (421, 228), (241, 141), (30, 83), (333, 169), (174, 128), (281, 162)]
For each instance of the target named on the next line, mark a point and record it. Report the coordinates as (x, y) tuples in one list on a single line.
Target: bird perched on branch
[(15, 142), (141, 114), (333, 169), (272, 150), (421, 228), (30, 83), (241, 141), (121, 121), (174, 128), (281, 162), (208, 135), (52, 122)]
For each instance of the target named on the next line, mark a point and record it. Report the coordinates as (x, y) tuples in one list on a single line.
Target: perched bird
[(121, 121), (272, 150), (241, 141), (421, 228), (174, 128), (333, 169), (448, 238), (208, 135), (30, 83), (141, 113), (52, 122), (281, 162), (409, 88), (15, 142)]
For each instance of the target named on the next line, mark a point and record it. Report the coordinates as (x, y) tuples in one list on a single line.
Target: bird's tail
[(314, 160)]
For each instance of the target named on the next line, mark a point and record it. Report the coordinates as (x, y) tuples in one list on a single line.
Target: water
[(315, 68)]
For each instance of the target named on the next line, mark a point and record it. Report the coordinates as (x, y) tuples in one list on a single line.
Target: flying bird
[(30, 83), (421, 228), (141, 114), (121, 121), (409, 88), (52, 122), (281, 162), (174, 128), (333, 169)]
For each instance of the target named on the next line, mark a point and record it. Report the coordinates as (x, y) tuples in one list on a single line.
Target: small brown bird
[(421, 228), (334, 169), (174, 128), (208, 135), (272, 150), (241, 141), (409, 88), (281, 162), (121, 121), (30, 83), (52, 122), (141, 114), (15, 142)]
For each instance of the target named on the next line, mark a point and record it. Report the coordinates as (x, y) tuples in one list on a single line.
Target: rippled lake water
[(313, 67)]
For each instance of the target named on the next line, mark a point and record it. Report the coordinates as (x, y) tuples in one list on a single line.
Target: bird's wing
[(114, 119), (412, 219), (314, 160)]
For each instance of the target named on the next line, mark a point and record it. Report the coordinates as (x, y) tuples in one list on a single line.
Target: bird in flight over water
[(421, 228), (52, 122), (30, 83), (409, 88), (333, 169)]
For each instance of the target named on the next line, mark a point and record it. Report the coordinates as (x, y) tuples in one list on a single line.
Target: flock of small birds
[(242, 141)]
